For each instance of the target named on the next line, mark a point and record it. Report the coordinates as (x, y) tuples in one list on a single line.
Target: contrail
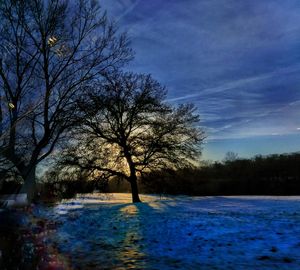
[(128, 10), (238, 83)]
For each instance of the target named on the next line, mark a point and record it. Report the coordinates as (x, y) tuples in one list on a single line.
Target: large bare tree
[(49, 51), (129, 129)]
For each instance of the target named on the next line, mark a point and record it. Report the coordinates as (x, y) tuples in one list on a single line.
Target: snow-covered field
[(240, 232)]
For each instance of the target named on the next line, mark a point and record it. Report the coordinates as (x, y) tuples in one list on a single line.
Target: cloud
[(127, 7), (237, 60), (233, 85)]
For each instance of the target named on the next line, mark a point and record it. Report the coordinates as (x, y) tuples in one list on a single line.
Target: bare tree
[(230, 157), (128, 129), (49, 51)]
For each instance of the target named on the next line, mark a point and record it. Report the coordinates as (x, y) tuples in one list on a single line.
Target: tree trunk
[(29, 186), (132, 178), (1, 118), (134, 189)]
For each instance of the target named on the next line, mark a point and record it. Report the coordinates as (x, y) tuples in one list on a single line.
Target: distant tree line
[(261, 175)]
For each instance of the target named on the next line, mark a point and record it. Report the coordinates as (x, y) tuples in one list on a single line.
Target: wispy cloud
[(240, 83), (127, 7), (238, 61)]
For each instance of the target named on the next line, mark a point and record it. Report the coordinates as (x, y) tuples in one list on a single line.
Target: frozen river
[(241, 232)]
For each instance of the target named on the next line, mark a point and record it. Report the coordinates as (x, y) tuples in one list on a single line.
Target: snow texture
[(238, 232)]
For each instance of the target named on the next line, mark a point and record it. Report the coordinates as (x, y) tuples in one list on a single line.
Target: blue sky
[(238, 61)]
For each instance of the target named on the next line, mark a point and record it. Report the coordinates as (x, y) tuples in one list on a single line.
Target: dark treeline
[(261, 175)]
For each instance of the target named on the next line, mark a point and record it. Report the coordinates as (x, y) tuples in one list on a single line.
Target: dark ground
[(24, 244)]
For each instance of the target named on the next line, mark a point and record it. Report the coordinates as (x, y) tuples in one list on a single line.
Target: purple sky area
[(238, 61)]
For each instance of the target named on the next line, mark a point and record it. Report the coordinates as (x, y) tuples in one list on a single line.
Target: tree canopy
[(49, 51), (128, 128)]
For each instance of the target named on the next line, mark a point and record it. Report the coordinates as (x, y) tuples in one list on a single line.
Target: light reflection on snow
[(64, 208), (130, 253), (181, 232), (130, 209)]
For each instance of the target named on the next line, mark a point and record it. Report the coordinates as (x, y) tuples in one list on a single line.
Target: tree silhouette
[(49, 51), (230, 156), (127, 129)]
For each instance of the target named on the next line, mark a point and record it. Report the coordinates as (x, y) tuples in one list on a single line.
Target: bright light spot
[(10, 105), (130, 209), (298, 128), (62, 51), (52, 41)]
